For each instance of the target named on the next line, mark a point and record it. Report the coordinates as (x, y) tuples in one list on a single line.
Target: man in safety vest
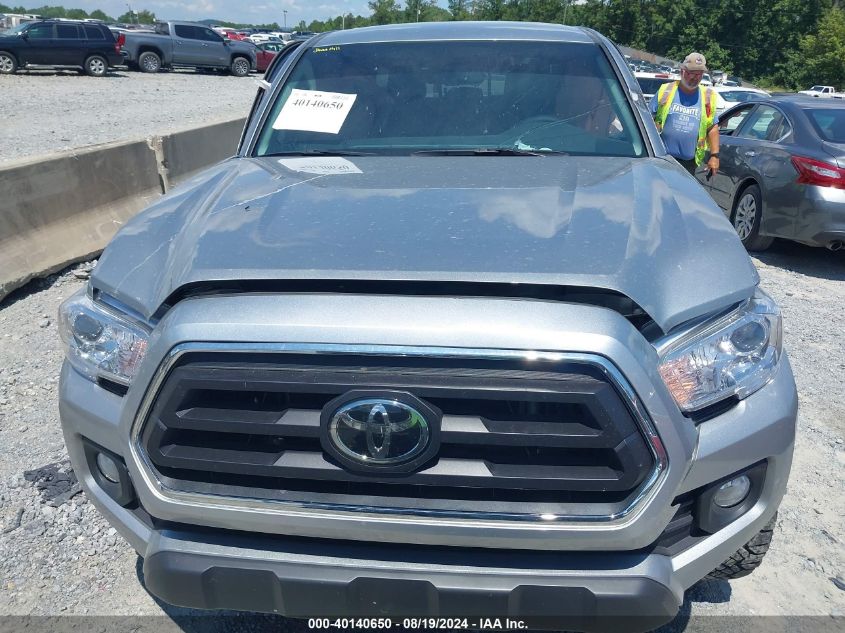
[(685, 114)]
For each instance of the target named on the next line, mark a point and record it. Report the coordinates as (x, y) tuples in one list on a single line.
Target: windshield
[(402, 98), (829, 123), (818, 88), (16, 29)]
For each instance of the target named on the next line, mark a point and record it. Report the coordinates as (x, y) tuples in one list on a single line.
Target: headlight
[(100, 341), (734, 355)]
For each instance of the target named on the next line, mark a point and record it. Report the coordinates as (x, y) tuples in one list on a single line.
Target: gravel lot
[(59, 556), (48, 111)]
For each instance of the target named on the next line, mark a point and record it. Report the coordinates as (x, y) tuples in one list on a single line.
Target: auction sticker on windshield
[(314, 111)]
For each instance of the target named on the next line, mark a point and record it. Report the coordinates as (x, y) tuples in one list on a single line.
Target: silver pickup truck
[(187, 44), (451, 335)]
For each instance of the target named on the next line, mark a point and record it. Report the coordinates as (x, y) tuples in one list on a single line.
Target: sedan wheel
[(747, 218), (746, 213)]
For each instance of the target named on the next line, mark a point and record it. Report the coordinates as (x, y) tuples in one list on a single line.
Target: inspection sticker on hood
[(314, 111), (320, 165)]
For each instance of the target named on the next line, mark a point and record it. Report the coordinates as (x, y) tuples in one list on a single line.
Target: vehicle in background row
[(728, 96), (450, 336), (258, 38), (286, 37), (58, 43), (301, 36), (650, 83), (265, 54), (782, 171), (228, 33), (828, 92), (187, 44)]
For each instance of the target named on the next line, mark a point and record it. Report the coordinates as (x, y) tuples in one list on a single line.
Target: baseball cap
[(695, 62)]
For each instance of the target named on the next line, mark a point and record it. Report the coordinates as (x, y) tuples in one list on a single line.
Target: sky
[(244, 11)]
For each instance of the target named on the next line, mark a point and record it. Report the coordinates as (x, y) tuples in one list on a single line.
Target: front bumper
[(584, 592), (312, 564)]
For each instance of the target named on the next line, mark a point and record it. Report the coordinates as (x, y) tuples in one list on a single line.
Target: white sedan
[(729, 96)]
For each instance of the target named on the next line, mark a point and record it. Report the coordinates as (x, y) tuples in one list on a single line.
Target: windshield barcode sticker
[(314, 111)]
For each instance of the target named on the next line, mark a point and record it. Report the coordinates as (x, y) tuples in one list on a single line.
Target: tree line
[(785, 43)]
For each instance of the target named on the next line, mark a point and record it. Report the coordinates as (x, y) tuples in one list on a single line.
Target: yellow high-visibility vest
[(707, 99)]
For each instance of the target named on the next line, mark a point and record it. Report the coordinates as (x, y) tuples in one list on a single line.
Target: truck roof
[(433, 31)]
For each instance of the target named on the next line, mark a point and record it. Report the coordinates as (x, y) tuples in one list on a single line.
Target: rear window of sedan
[(403, 97), (829, 123)]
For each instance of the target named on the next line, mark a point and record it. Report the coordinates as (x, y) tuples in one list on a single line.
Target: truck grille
[(518, 438)]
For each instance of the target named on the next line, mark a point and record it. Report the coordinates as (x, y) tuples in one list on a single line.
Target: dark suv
[(90, 46)]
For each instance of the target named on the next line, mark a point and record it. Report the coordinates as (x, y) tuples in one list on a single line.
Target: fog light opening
[(733, 492), (108, 468)]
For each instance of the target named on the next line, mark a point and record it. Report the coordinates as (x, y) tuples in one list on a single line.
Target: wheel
[(8, 64), (96, 66), (240, 67), (149, 62), (748, 212), (748, 557)]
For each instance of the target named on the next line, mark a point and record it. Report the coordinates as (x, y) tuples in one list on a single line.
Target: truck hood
[(640, 227)]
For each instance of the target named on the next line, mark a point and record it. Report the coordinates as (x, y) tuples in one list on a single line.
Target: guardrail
[(65, 208)]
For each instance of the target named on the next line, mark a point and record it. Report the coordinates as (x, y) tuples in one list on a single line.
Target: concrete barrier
[(188, 152), (66, 208)]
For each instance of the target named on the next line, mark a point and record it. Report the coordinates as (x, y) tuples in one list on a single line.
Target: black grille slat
[(290, 423), (552, 434), (455, 429), (447, 472)]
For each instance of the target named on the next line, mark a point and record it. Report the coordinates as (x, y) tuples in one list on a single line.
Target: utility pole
[(285, 11), (565, 10), (132, 15)]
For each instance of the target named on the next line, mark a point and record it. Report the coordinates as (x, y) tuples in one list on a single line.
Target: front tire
[(240, 67), (96, 66), (8, 64), (748, 557), (149, 62), (746, 218)]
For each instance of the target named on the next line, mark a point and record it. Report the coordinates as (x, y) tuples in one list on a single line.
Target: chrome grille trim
[(354, 512)]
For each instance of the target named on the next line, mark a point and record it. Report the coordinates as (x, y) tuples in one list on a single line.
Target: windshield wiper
[(489, 151), (319, 152)]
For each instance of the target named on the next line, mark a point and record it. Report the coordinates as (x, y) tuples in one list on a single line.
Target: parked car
[(180, 44), (258, 38), (231, 34), (286, 37), (265, 54), (782, 171), (728, 96), (827, 92), (450, 335), (650, 83), (89, 46), (301, 36)]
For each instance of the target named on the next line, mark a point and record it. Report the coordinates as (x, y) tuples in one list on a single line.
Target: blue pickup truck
[(187, 44)]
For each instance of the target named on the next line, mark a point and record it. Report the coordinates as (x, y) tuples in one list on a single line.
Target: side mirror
[(24, 35)]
